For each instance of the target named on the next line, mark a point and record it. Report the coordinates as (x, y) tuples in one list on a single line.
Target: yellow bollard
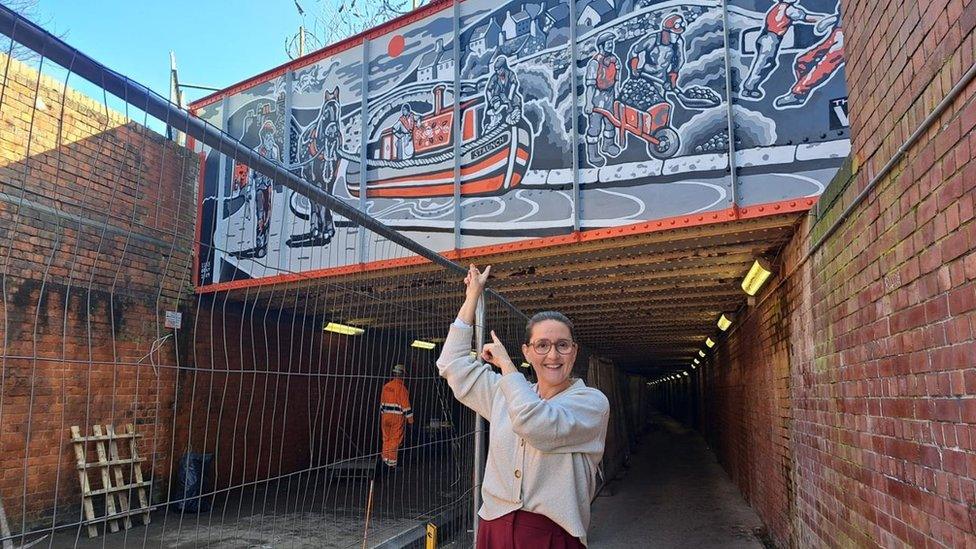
[(431, 536)]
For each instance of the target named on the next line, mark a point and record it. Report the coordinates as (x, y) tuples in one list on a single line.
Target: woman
[(546, 439)]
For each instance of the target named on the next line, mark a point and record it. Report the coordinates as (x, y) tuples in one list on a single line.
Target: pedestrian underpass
[(782, 321)]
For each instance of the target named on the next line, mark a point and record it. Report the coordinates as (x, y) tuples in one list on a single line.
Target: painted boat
[(492, 161)]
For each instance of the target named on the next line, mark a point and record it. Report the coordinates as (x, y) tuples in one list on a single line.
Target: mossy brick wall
[(96, 225), (844, 403)]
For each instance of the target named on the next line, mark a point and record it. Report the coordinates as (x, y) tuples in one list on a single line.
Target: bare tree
[(329, 21), (27, 9)]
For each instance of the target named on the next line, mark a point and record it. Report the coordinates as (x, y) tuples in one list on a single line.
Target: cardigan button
[(518, 474)]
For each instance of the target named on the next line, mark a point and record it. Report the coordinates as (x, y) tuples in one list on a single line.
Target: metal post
[(363, 128), (733, 182), (479, 426), (456, 124), (221, 185), (573, 74), (175, 97), (286, 119)]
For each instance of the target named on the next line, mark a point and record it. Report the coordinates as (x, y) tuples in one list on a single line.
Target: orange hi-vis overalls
[(394, 409)]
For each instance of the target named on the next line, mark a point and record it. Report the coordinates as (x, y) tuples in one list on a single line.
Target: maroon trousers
[(524, 530)]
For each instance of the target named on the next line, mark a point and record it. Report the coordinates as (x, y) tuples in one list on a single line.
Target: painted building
[(516, 24), (591, 13), (437, 64), (485, 38)]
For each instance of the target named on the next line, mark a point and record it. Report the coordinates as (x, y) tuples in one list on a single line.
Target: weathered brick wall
[(272, 394), (747, 407), (96, 222), (844, 403)]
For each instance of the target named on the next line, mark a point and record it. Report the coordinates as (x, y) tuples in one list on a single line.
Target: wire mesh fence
[(139, 410)]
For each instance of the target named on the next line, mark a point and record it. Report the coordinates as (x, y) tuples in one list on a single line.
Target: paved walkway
[(675, 494)]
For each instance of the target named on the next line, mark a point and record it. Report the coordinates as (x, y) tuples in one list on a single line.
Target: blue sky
[(217, 42)]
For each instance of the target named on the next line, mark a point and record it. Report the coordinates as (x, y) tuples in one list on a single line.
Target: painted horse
[(318, 156)]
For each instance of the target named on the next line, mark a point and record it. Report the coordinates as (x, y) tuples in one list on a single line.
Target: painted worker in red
[(395, 412), (780, 17)]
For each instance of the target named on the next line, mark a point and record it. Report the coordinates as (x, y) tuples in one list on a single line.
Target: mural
[(657, 97)]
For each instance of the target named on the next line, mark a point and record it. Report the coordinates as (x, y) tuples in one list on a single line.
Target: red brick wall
[(844, 403), (96, 219), (273, 394)]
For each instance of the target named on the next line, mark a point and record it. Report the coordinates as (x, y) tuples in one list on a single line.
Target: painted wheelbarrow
[(653, 125)]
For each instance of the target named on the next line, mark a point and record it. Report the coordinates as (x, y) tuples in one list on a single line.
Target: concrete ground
[(674, 494)]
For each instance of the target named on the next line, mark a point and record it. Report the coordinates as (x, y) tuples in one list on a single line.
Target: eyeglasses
[(542, 347)]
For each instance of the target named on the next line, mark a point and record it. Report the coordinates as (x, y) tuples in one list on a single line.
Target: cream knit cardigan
[(543, 455)]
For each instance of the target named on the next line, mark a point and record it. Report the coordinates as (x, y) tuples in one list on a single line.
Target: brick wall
[(96, 218), (844, 403), (272, 394)]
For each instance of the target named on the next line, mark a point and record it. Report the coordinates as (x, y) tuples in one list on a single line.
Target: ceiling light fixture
[(758, 274), (343, 329), (724, 322)]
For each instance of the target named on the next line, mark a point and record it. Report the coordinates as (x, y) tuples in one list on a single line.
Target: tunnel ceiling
[(645, 301)]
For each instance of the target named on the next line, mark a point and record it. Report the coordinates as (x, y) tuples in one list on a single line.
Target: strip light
[(421, 344), (709, 343), (758, 274), (343, 329), (696, 361), (724, 322), (701, 353)]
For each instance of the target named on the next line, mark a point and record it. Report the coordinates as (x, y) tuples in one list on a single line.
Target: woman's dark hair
[(548, 315)]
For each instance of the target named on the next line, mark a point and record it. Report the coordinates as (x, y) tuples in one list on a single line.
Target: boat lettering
[(493, 144)]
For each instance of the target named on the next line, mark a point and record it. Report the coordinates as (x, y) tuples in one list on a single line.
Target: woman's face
[(552, 368)]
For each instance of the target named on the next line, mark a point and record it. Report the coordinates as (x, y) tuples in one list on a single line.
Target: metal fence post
[(479, 426), (729, 112)]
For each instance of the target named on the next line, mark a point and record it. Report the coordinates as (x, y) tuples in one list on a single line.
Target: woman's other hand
[(496, 353)]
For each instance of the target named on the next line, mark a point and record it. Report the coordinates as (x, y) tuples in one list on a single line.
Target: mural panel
[(654, 104), (649, 113), (516, 68), (791, 130)]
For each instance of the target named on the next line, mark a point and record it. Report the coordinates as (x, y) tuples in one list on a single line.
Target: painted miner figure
[(779, 19), (319, 150), (403, 130), (264, 189), (502, 96), (601, 77), (817, 65), (655, 62)]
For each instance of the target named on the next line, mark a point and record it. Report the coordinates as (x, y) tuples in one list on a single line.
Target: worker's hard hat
[(399, 369), (674, 23), (604, 37)]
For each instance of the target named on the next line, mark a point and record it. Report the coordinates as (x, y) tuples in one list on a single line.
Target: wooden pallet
[(112, 467)]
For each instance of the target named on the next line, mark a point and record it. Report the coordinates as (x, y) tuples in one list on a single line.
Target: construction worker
[(658, 57), (780, 17), (403, 130), (394, 412), (818, 64), (602, 74), (264, 189), (502, 96)]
